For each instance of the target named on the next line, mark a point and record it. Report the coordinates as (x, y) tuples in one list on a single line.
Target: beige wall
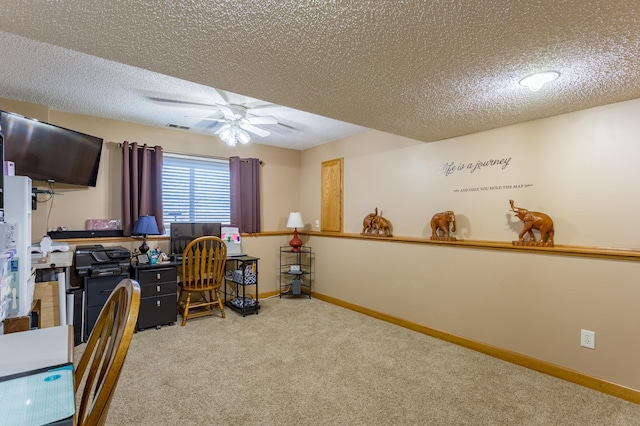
[(582, 169), (280, 177)]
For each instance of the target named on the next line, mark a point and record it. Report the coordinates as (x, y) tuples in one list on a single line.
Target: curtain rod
[(207, 156), (150, 148), (246, 160)]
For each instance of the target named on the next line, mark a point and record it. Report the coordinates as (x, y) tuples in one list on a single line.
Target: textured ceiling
[(428, 70)]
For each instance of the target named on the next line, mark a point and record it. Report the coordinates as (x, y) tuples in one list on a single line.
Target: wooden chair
[(203, 264), (100, 364)]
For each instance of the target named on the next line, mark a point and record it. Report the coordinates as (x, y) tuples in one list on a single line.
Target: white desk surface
[(58, 259), (30, 350)]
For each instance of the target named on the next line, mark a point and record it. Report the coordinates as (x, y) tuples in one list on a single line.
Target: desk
[(61, 261), (34, 349), (30, 392)]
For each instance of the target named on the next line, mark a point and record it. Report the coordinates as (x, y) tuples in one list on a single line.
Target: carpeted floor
[(307, 362)]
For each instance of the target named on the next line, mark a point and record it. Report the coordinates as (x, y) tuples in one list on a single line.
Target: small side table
[(241, 272)]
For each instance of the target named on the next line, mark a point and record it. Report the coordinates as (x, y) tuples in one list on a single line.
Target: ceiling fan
[(238, 123), (234, 118)]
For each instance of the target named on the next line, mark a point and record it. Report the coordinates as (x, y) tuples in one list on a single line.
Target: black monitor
[(182, 233)]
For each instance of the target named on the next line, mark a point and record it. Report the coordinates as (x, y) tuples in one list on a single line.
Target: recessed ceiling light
[(537, 80)]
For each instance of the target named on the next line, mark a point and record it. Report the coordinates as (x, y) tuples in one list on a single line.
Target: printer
[(96, 260)]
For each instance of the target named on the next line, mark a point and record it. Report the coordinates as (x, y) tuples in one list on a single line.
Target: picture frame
[(143, 259)]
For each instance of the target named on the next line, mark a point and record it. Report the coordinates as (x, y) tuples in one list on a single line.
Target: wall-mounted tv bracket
[(34, 196)]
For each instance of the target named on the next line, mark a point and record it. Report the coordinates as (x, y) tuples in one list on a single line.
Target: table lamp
[(295, 222), (146, 225)]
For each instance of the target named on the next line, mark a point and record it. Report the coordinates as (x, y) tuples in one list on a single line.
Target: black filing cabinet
[(96, 292), (158, 297)]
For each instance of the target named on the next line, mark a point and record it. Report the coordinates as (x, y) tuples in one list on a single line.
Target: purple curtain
[(141, 185), (245, 194)]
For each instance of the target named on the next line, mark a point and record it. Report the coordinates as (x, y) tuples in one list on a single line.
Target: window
[(195, 189)]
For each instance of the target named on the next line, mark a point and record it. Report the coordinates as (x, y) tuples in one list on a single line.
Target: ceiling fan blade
[(175, 101), (220, 120), (287, 126), (255, 130), (219, 97), (262, 120), (212, 127), (228, 112), (257, 104)]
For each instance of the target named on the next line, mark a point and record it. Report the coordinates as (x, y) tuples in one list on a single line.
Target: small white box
[(9, 168)]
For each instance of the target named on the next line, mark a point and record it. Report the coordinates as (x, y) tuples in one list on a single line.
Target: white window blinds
[(195, 189)]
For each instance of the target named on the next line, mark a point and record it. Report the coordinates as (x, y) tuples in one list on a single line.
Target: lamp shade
[(295, 220), (146, 225)]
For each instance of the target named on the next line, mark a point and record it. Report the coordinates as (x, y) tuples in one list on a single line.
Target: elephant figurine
[(441, 221), (367, 222), (373, 224), (381, 226), (534, 220)]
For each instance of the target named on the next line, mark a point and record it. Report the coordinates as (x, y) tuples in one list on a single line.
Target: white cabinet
[(17, 214)]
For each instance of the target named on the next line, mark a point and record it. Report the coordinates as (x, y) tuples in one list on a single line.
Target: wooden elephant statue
[(534, 220), (381, 226), (443, 221), (367, 222), (373, 224)]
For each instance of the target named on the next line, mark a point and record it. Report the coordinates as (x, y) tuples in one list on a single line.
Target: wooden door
[(332, 189)]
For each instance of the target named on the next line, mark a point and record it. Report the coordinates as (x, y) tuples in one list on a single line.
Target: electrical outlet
[(317, 223), (588, 339)]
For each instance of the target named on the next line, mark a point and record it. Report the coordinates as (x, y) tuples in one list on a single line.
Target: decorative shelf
[(562, 250)]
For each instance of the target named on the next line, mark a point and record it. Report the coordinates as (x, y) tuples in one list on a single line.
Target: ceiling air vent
[(177, 126)]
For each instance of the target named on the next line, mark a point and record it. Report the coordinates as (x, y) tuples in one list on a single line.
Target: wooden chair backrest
[(101, 363), (203, 263)]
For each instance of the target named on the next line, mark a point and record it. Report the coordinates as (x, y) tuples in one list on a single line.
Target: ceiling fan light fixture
[(226, 133), (243, 136), (535, 81), (231, 133)]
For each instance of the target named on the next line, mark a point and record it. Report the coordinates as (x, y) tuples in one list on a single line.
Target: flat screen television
[(182, 233), (46, 152)]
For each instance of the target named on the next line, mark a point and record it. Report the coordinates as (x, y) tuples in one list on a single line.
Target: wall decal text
[(450, 168), (494, 188)]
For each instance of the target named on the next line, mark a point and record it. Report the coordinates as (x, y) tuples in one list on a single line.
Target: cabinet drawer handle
[(158, 276), (158, 303), (158, 288)]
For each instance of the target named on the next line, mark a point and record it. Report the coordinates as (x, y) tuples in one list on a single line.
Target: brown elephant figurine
[(442, 221), (367, 222), (534, 220), (373, 224), (381, 226)]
